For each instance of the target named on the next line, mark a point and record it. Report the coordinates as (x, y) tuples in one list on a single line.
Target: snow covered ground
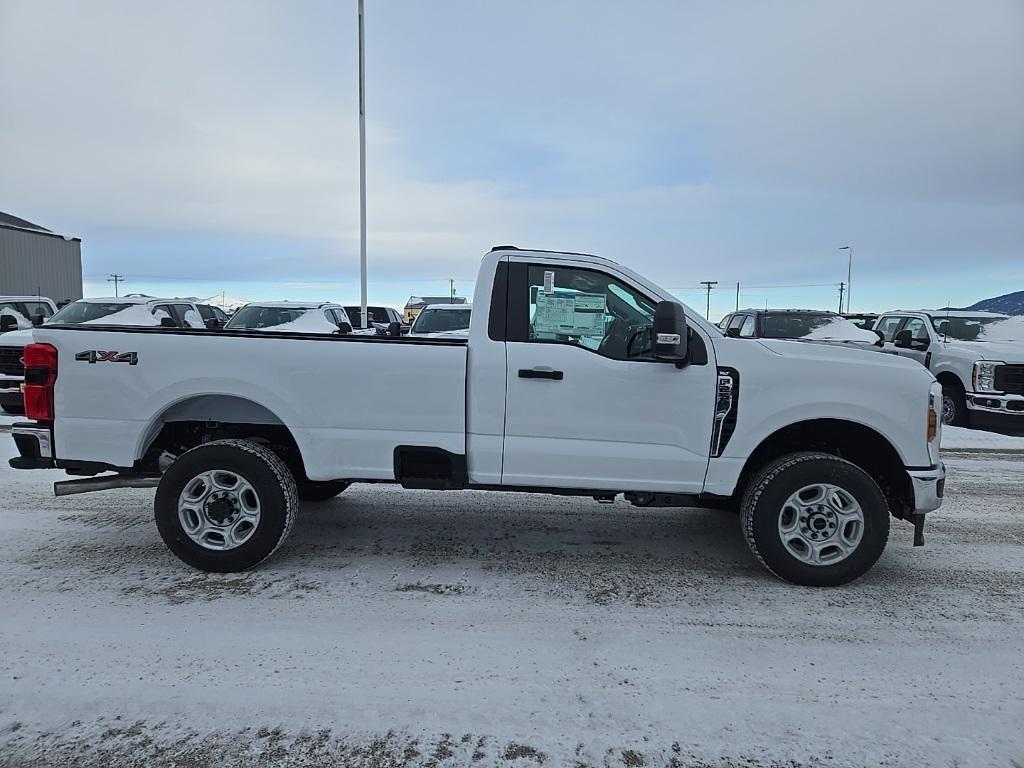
[(401, 628)]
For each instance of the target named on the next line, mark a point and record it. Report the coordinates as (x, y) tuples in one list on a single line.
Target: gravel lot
[(428, 629)]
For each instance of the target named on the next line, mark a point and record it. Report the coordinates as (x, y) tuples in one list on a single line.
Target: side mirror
[(8, 323), (732, 333), (168, 322), (344, 328), (903, 340), (394, 329), (38, 320), (671, 337)]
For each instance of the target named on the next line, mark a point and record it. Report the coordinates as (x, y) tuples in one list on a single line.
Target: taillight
[(40, 376)]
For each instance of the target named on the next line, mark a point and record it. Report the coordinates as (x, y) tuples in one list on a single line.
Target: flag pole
[(362, 170)]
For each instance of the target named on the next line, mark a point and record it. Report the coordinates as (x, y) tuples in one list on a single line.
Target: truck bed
[(348, 400)]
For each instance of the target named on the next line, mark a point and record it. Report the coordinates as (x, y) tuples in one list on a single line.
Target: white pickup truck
[(578, 377), (977, 357)]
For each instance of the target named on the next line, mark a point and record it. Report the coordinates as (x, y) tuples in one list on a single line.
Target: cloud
[(747, 140)]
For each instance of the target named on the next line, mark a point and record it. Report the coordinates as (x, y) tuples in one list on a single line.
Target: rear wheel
[(226, 505), (310, 491), (815, 519)]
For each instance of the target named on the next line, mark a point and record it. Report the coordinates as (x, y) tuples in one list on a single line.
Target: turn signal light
[(933, 425)]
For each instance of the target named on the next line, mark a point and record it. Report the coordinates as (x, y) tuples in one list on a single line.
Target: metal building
[(37, 262)]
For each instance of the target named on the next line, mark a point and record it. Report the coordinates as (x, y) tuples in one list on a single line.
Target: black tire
[(954, 406), (13, 410), (763, 506), (311, 491), (271, 482)]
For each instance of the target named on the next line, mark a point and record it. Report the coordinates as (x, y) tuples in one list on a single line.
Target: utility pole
[(737, 296), (849, 275), (709, 284), (841, 286), (116, 280), (362, 168), (451, 290)]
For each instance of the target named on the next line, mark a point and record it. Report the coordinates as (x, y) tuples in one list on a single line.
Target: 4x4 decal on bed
[(99, 356)]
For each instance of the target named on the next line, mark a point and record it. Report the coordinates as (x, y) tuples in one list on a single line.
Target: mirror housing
[(732, 333), (168, 322), (395, 329), (670, 333), (38, 319), (8, 323), (344, 328)]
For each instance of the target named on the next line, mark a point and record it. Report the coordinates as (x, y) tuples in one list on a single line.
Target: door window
[(588, 309), (34, 308), (918, 329), (748, 328), (164, 310), (889, 325), (737, 322)]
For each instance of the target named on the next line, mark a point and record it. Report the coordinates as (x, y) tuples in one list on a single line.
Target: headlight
[(984, 376)]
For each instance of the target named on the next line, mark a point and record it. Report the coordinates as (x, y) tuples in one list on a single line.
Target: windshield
[(263, 317), (966, 328), (84, 311), (792, 325), (433, 320)]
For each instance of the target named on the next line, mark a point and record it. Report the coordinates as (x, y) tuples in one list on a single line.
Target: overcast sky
[(207, 146)]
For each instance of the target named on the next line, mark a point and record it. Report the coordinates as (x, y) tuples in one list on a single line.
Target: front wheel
[(226, 505), (815, 519), (954, 406)]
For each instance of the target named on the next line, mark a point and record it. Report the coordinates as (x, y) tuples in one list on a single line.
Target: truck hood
[(1007, 351), (841, 354)]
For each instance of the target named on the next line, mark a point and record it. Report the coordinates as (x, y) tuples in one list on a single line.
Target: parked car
[(21, 312), (801, 324), (381, 318), (291, 317), (977, 357), (447, 319), (213, 316), (863, 320), (417, 304), (578, 377), (123, 310)]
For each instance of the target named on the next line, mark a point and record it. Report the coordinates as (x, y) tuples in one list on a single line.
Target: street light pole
[(849, 275), (362, 170)]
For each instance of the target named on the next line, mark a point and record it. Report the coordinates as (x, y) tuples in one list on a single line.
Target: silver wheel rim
[(821, 524), (219, 509), (948, 409)]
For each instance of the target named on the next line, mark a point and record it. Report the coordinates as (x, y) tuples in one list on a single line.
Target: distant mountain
[(1008, 304)]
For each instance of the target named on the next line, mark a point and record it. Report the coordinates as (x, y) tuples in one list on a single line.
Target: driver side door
[(586, 405)]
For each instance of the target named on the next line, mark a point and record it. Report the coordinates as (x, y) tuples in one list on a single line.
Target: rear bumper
[(35, 446), (929, 486)]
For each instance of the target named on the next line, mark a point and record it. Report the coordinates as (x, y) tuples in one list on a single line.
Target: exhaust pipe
[(89, 484)]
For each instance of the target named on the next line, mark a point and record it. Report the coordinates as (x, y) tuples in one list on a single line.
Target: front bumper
[(35, 446), (1002, 413), (929, 485)]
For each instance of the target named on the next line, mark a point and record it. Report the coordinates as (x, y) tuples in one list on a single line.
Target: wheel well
[(947, 378), (199, 420), (856, 443)]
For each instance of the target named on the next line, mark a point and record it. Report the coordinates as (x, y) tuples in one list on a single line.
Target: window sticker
[(549, 281), (567, 313)]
